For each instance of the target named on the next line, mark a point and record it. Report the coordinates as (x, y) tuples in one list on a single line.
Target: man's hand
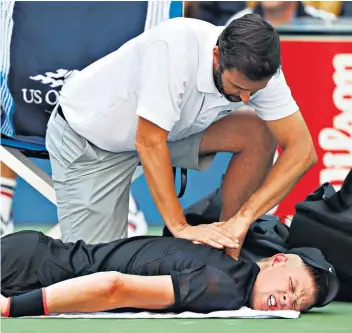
[(208, 234), (238, 227)]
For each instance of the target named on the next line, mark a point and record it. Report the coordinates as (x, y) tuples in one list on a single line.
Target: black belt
[(59, 111)]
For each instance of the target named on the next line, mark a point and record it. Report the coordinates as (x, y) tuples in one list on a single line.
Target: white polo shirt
[(166, 76)]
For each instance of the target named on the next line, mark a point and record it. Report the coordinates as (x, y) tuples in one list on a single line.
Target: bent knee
[(239, 131), (258, 135)]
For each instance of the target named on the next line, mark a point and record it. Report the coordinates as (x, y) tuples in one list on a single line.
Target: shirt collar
[(205, 79)]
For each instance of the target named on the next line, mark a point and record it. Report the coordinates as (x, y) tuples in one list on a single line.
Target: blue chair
[(46, 42)]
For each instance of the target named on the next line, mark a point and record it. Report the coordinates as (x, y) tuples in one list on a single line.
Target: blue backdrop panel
[(50, 40)]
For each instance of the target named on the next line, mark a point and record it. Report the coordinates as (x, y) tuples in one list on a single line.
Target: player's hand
[(208, 234)]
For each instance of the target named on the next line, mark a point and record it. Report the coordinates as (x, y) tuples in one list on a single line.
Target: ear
[(278, 259), (216, 57)]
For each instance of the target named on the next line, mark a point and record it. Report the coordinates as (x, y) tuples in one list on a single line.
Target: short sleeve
[(275, 101), (205, 289), (162, 84)]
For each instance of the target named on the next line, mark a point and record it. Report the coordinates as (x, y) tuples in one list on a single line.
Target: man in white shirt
[(169, 97)]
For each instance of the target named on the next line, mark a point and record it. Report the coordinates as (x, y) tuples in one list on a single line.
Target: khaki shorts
[(92, 185)]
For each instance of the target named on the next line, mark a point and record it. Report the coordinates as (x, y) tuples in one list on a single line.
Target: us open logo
[(54, 80)]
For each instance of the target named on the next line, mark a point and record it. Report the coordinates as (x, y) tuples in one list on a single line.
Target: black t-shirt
[(204, 279)]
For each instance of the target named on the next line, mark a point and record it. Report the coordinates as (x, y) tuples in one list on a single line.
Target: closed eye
[(250, 92), (236, 86), (293, 292)]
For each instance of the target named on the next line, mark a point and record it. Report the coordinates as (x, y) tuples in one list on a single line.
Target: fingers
[(227, 233), (214, 244), (211, 241), (218, 224), (197, 243), (224, 237), (222, 225), (211, 235), (217, 239), (201, 243)]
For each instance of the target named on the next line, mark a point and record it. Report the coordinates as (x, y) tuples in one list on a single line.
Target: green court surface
[(335, 318)]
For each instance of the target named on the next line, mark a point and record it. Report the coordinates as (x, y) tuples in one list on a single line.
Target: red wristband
[(45, 305), (8, 307)]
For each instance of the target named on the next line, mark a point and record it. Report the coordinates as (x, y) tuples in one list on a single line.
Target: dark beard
[(218, 83)]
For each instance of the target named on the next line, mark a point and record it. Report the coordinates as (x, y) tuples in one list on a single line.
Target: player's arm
[(96, 292)]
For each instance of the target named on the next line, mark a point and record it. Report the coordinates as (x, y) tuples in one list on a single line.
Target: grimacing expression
[(232, 84), (283, 283)]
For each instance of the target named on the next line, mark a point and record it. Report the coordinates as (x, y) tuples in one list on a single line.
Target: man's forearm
[(157, 168), (285, 173)]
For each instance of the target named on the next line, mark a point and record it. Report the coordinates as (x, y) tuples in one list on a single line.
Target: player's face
[(283, 286), (233, 85)]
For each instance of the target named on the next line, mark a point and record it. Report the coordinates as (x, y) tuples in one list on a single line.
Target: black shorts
[(21, 258), (30, 260)]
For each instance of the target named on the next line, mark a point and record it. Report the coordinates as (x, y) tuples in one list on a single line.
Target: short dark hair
[(320, 283), (252, 46)]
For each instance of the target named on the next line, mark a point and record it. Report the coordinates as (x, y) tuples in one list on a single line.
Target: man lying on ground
[(41, 276)]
